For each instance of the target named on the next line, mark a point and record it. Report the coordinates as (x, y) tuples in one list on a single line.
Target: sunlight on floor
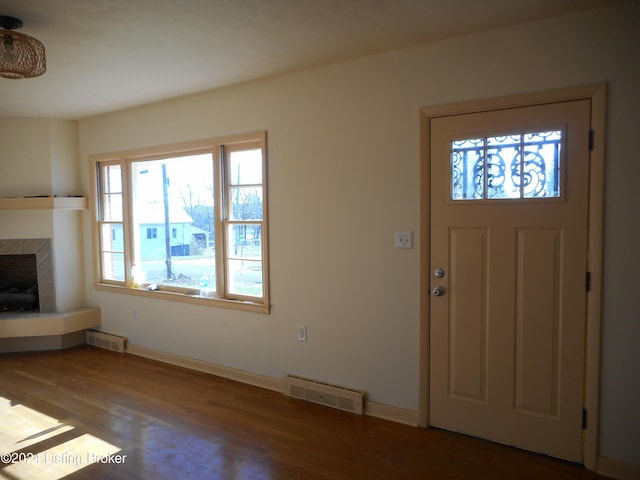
[(23, 427)]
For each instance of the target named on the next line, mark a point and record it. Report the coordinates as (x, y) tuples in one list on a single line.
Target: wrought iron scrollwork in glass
[(523, 165)]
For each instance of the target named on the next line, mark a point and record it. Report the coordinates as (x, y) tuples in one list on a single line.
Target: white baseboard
[(207, 367), (374, 409), (618, 469), (389, 412)]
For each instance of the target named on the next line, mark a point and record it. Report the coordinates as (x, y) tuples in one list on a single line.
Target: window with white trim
[(185, 222)]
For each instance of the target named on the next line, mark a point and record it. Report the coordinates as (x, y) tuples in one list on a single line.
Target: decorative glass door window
[(525, 165)]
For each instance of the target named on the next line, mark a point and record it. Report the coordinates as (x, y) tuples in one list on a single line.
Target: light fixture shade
[(21, 56)]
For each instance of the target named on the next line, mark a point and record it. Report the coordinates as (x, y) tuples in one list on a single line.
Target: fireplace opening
[(19, 283)]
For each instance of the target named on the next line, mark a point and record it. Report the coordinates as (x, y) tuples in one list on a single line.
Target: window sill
[(185, 298)]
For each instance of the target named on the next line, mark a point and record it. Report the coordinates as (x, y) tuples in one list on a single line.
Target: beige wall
[(24, 156), (63, 154), (343, 167)]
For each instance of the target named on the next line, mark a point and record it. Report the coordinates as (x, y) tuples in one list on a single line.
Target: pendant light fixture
[(21, 56)]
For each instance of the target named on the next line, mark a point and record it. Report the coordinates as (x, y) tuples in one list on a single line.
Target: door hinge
[(588, 282), (590, 140), (584, 418)]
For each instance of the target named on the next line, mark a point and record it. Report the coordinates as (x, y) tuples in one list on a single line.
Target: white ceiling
[(105, 55)]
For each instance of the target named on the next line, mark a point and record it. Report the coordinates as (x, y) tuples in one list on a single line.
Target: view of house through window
[(173, 224), (195, 223)]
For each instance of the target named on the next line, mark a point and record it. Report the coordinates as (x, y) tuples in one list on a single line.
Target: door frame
[(597, 94)]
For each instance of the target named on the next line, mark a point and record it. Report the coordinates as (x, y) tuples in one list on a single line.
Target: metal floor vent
[(107, 341), (334, 396)]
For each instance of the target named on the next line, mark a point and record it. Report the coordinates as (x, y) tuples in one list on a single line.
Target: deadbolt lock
[(438, 292)]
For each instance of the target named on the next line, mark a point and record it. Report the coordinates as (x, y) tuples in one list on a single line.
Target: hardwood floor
[(61, 411)]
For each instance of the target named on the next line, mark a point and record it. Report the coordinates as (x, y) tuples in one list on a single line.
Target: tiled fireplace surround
[(41, 248)]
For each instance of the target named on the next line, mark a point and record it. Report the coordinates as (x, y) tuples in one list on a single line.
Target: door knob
[(438, 273), (438, 292)]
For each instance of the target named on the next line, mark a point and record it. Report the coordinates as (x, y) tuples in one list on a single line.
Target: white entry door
[(509, 221)]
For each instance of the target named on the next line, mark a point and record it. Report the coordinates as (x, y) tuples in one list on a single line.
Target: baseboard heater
[(334, 396), (107, 341)]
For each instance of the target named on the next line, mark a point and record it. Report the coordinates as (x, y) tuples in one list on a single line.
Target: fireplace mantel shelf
[(44, 202)]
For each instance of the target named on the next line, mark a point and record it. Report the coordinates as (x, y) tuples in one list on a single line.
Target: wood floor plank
[(167, 422)]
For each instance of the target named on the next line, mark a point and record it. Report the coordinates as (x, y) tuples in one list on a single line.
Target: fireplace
[(45, 231), (19, 283), (26, 276)]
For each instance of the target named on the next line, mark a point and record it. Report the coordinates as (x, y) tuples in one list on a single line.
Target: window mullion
[(127, 216), (219, 217)]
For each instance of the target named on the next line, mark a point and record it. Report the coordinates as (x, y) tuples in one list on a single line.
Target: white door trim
[(597, 94)]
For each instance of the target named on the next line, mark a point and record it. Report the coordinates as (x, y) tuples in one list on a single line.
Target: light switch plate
[(302, 333), (404, 239)]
